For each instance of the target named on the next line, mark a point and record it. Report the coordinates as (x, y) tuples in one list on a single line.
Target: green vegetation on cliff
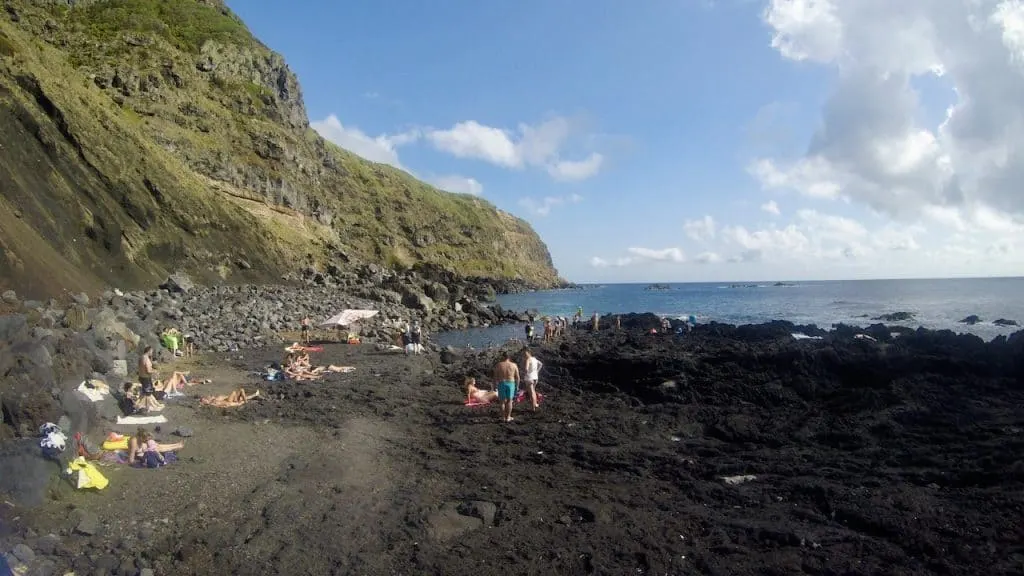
[(155, 135)]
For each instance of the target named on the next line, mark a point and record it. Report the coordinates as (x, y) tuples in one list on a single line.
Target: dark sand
[(869, 459)]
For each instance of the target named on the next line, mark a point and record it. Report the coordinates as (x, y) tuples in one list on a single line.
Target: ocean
[(937, 304)]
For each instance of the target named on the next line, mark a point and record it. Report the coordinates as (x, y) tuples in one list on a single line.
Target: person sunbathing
[(474, 394), (233, 400), (142, 442), (137, 403), (173, 385)]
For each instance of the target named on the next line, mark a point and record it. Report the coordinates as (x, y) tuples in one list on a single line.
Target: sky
[(692, 140)]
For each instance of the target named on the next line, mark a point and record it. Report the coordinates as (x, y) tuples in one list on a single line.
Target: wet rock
[(971, 320), (895, 317), (1005, 322)]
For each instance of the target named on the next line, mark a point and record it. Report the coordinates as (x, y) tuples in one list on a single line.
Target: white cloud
[(576, 169), (874, 145), (543, 206), (380, 149), (458, 184), (658, 255), (771, 207), (474, 140), (639, 255), (542, 145), (708, 258), (384, 149), (701, 230)]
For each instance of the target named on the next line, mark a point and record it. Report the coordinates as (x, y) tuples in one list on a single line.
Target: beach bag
[(86, 475)]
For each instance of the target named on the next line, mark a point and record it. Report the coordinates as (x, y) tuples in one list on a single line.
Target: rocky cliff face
[(143, 136)]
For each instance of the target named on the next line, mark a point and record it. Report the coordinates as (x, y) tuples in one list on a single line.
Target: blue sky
[(674, 140)]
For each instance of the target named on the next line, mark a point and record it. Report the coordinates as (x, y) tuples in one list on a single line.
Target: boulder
[(417, 300), (971, 320), (178, 283), (1005, 322), (27, 473)]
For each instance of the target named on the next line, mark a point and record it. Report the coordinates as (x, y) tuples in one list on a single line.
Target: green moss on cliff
[(176, 96)]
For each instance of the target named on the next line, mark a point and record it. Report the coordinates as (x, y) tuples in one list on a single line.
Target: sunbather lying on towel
[(297, 367), (233, 400), (475, 395), (142, 442)]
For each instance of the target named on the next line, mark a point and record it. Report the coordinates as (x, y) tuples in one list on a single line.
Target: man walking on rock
[(506, 373)]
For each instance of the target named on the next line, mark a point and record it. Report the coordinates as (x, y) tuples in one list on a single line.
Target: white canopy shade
[(348, 317)]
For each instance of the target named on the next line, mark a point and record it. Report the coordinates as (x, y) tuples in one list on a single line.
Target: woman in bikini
[(233, 400), (143, 442), (474, 394)]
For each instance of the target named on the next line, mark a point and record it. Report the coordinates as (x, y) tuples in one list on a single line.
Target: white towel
[(93, 394), (160, 419)]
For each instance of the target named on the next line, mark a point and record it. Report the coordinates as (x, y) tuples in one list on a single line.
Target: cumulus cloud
[(382, 148), (544, 206), (542, 146), (771, 207), (658, 255), (458, 184), (708, 258), (701, 230), (640, 255), (874, 146)]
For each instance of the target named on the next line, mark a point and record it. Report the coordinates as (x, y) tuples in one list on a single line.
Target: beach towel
[(159, 419), (92, 392), (114, 445), (521, 397), (86, 475)]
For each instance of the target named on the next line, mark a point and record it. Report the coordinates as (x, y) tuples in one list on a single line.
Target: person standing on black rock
[(146, 372), (529, 332)]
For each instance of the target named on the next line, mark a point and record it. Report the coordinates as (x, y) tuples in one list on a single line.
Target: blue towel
[(5, 569)]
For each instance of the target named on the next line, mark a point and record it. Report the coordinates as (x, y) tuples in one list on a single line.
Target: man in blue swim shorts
[(507, 375)]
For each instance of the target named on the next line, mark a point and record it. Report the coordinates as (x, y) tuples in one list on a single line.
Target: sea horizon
[(932, 303), (673, 282)]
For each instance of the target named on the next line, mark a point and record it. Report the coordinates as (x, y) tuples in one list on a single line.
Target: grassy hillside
[(142, 136)]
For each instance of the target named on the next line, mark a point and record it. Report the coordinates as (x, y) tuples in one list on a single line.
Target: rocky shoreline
[(49, 347), (715, 451)]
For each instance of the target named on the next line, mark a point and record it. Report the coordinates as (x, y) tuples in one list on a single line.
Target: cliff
[(139, 137)]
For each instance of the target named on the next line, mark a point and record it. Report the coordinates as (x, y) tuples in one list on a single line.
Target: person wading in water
[(305, 330), (507, 375)]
